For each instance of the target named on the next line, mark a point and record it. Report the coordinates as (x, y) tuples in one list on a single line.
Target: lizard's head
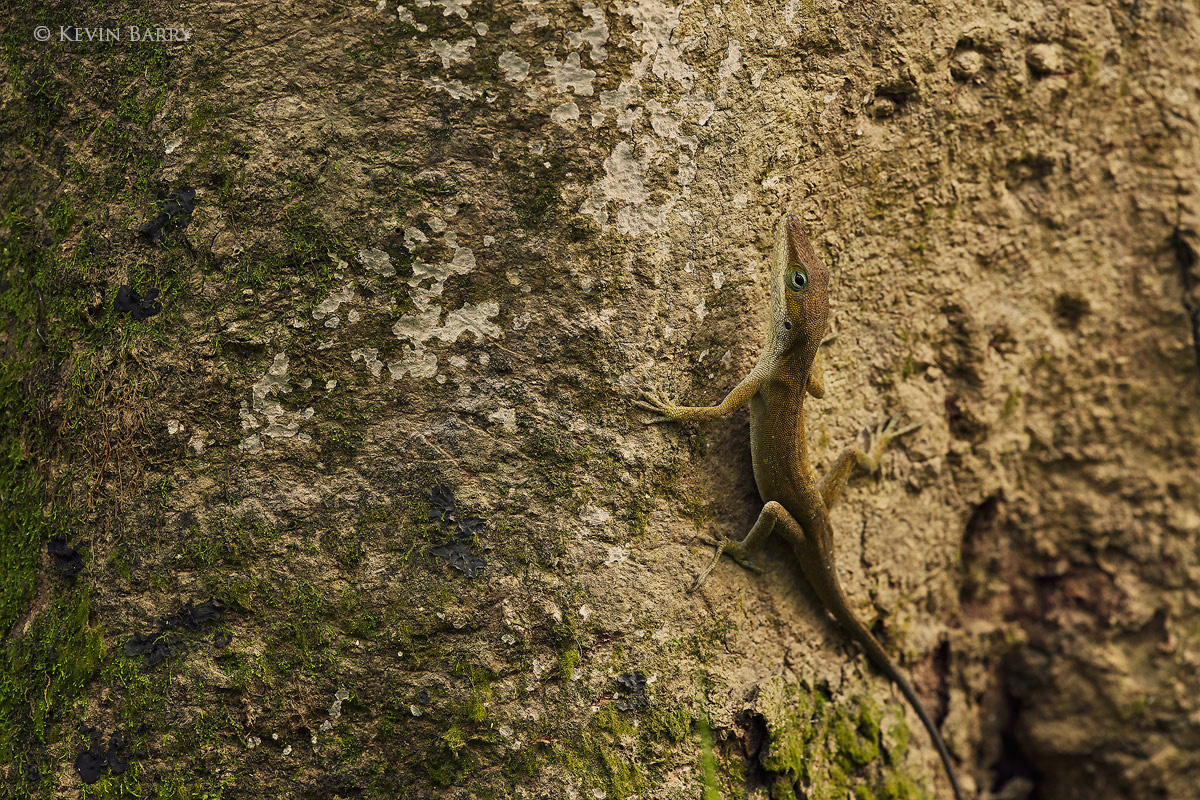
[(799, 290)]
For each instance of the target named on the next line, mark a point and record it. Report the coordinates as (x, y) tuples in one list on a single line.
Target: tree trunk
[(358, 505)]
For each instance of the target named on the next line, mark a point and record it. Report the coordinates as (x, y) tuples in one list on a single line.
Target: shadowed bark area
[(318, 471)]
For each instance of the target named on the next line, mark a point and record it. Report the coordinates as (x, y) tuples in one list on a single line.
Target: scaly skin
[(796, 503)]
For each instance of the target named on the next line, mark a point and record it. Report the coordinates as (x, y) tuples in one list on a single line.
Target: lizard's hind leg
[(740, 551), (864, 454)]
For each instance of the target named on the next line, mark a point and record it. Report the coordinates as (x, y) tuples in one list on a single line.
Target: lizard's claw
[(891, 429), (652, 400), (729, 548), (875, 442), (829, 337)]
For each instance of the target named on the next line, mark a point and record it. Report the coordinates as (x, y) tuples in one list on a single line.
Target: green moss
[(1010, 403), (862, 792), (1089, 68), (568, 659), (613, 751), (44, 667), (832, 750), (446, 763), (26, 271), (857, 739), (481, 695), (41, 674), (899, 787), (896, 739), (666, 724)]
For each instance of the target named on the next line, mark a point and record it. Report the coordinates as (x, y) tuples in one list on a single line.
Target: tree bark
[(358, 505)]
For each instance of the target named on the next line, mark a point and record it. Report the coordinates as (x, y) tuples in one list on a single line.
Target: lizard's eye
[(797, 280)]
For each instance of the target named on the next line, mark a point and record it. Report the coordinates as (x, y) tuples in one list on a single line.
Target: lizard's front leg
[(864, 454), (816, 373), (669, 412), (771, 513)]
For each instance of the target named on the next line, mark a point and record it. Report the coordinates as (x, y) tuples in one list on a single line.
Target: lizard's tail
[(883, 661)]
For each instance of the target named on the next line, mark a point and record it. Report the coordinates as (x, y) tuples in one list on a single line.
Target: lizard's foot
[(652, 400), (727, 547), (873, 443)]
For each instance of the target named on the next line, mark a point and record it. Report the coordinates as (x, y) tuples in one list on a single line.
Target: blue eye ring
[(797, 280)]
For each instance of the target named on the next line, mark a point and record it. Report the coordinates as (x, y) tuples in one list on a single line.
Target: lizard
[(796, 503)]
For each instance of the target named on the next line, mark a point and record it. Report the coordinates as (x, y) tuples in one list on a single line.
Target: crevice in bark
[(1014, 771), (1185, 262), (1014, 764), (754, 737), (941, 668)]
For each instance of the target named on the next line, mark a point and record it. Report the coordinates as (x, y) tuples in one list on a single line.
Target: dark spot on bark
[(962, 423), (89, 764), (155, 647), (338, 785), (879, 631), (159, 646), (1071, 308), (961, 349), (459, 552), (982, 544), (441, 498), (1186, 260), (128, 301), (941, 668), (192, 617), (500, 362), (1002, 340), (634, 684), (117, 757), (175, 215), (1029, 167), (980, 521), (460, 557), (67, 560)]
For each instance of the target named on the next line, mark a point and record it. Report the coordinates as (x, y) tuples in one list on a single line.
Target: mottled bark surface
[(444, 245)]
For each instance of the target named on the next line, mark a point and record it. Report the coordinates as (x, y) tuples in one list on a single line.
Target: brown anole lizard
[(796, 502)]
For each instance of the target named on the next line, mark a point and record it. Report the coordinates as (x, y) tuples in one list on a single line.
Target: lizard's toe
[(651, 400)]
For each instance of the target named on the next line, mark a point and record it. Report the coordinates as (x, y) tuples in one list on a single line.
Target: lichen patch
[(516, 69), (452, 53), (569, 75)]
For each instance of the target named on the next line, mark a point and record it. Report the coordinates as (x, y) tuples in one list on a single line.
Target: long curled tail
[(884, 663)]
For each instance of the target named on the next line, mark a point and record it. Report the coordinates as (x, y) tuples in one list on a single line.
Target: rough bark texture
[(445, 245)]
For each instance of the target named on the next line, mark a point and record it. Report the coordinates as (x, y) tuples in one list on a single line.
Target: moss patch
[(819, 748)]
